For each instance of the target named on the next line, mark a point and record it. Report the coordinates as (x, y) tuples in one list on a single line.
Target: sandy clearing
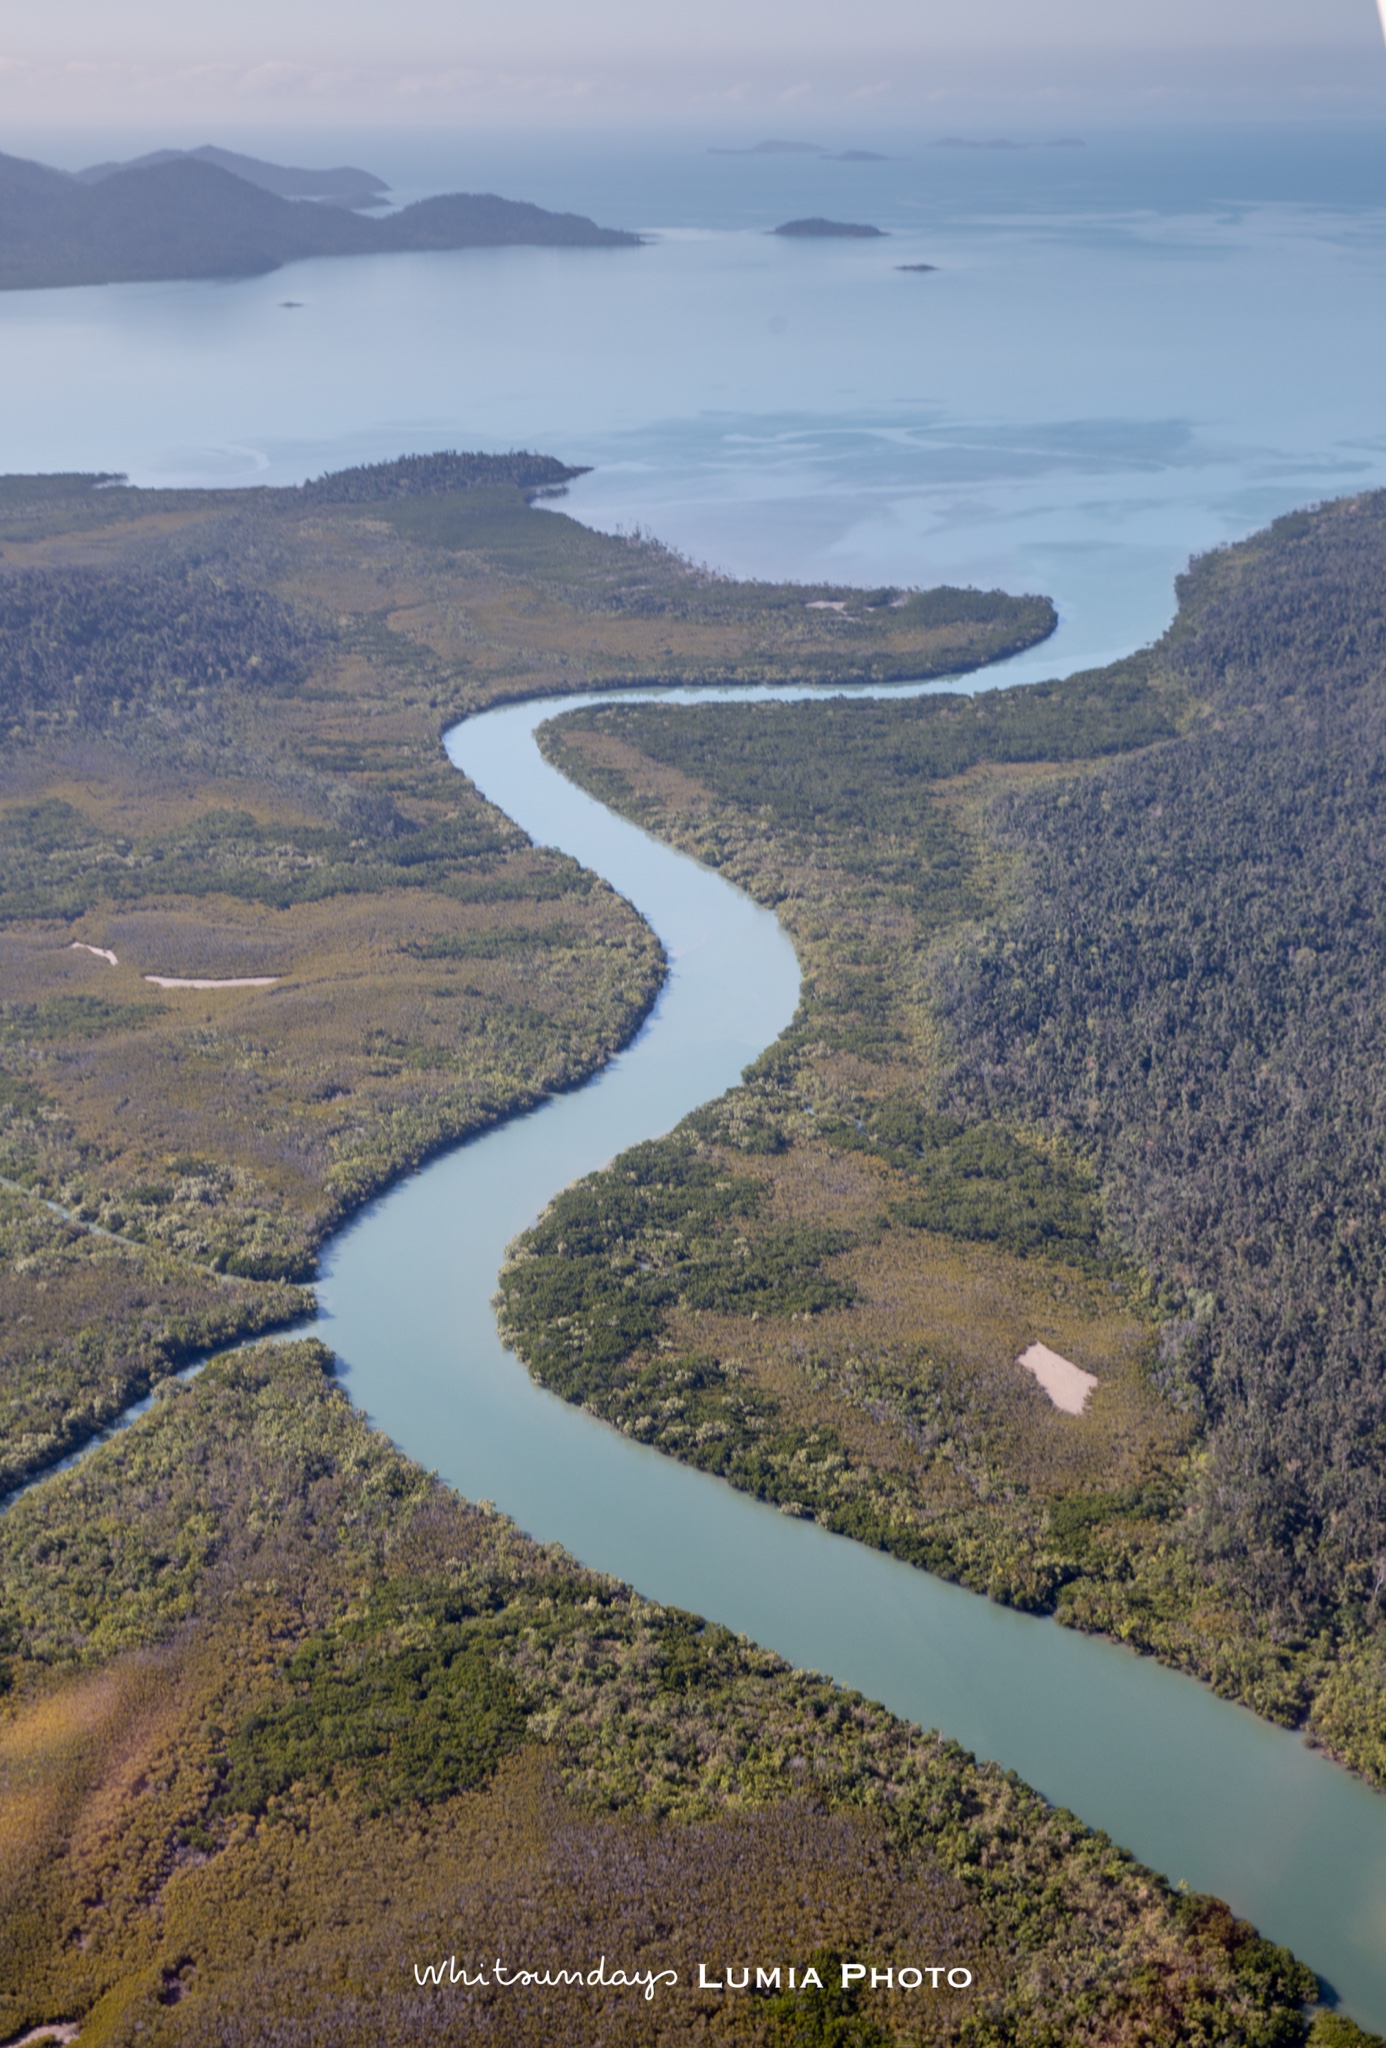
[(232, 981), (81, 946), (1066, 1384)]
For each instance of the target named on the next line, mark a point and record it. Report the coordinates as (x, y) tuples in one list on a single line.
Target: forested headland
[(1090, 1053), (212, 214)]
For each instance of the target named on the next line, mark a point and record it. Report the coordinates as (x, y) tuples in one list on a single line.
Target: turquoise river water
[(1199, 1789)]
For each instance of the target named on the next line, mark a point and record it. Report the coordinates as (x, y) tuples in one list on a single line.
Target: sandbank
[(199, 981), (1066, 1384)]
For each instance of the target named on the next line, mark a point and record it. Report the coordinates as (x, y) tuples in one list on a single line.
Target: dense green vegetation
[(1127, 1020), (979, 1180), (423, 476), (680, 1225), (285, 1718), (79, 647), (58, 863), (860, 769), (1192, 988)]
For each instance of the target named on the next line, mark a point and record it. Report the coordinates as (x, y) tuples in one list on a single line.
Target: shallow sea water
[(1129, 351)]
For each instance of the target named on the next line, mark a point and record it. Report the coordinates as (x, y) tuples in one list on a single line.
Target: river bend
[(1199, 1789)]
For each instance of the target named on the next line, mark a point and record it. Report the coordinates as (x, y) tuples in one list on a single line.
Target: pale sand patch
[(1067, 1385), (62, 2031), (81, 946), (233, 981)]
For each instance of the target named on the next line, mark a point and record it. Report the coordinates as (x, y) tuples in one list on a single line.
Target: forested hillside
[(1095, 1000), (1191, 987)]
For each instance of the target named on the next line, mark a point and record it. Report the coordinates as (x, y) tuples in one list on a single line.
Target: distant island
[(776, 148), (772, 147), (816, 227), (346, 185), (185, 216), (916, 266), (1005, 142)]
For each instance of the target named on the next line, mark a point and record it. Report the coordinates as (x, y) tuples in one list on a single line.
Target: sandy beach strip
[(232, 981)]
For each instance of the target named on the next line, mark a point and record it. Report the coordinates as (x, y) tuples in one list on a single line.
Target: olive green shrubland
[(280, 1717), (222, 713), (285, 1718)]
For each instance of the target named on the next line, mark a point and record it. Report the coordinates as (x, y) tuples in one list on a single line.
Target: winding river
[(1200, 1789)]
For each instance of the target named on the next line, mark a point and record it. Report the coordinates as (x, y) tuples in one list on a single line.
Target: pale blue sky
[(299, 61)]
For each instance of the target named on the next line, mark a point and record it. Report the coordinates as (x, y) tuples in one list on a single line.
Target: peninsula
[(399, 597), (192, 216)]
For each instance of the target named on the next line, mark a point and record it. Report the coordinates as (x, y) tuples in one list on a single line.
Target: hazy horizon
[(620, 62)]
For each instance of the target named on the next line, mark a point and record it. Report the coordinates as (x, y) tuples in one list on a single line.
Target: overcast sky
[(508, 61)]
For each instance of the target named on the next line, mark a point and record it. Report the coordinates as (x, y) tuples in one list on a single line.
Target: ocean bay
[(1121, 360)]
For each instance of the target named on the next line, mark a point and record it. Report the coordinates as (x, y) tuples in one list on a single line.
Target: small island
[(916, 266), (816, 227), (773, 146), (777, 148)]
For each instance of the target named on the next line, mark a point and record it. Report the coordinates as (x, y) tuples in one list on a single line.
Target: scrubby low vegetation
[(222, 714), (279, 1717), (1089, 1053), (285, 1718)]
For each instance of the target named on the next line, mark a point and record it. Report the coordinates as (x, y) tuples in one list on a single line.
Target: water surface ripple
[(1200, 1789)]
